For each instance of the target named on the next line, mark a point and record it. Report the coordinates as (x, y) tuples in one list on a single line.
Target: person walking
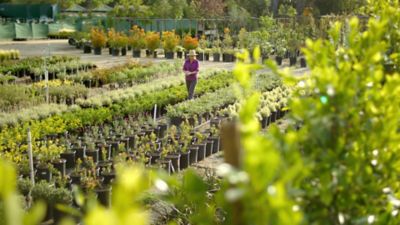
[(191, 70)]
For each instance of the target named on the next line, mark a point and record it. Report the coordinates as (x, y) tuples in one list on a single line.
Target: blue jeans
[(191, 85)]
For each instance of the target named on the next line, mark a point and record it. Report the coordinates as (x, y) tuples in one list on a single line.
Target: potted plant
[(42, 191), (76, 175), (60, 165), (228, 55), (137, 40), (203, 45), (87, 47), (123, 43), (164, 161), (279, 53), (108, 175), (207, 53), (60, 197), (113, 41), (200, 143), (293, 44), (170, 41), (227, 45), (200, 54), (92, 152), (153, 42), (98, 39), (189, 43), (214, 136), (265, 117)]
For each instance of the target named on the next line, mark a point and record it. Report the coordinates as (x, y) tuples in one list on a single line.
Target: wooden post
[(230, 135), (230, 138)]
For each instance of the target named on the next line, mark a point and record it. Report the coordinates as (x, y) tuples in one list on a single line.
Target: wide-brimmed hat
[(192, 53)]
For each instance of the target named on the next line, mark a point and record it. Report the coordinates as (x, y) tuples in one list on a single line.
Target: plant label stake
[(30, 156), (46, 77), (155, 113)]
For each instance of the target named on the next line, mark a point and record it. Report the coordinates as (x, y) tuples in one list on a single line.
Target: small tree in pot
[(216, 50), (190, 43), (123, 43), (137, 40), (98, 39), (113, 41), (227, 45), (170, 41), (153, 42), (203, 46)]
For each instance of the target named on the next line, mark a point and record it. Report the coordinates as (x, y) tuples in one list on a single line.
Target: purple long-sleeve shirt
[(191, 67)]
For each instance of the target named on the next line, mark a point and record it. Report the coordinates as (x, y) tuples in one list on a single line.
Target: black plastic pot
[(94, 154), (114, 147), (227, 57), (131, 142), (70, 159), (209, 147), (108, 177), (60, 165), (193, 154), (154, 157), (303, 62), (177, 121), (80, 153), (206, 56), (110, 51), (162, 128), (148, 53), (75, 179), (115, 52), (216, 145), (202, 152), (265, 122), (200, 57), (175, 160), (87, 49), (108, 151), (278, 60), (216, 57), (273, 117), (104, 196), (185, 160), (293, 61), (136, 53), (43, 173), (169, 55), (166, 164), (123, 51), (97, 51), (179, 55)]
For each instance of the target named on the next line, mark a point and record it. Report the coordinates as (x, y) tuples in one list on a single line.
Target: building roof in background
[(75, 8), (102, 8)]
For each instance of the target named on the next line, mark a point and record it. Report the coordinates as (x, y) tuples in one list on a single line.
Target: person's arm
[(185, 70)]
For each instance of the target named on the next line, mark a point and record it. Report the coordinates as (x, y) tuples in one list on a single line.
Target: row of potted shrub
[(34, 67), (78, 118), (215, 101), (9, 55)]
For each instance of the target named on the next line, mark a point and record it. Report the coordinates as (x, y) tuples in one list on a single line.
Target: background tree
[(162, 9), (132, 8), (209, 8)]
